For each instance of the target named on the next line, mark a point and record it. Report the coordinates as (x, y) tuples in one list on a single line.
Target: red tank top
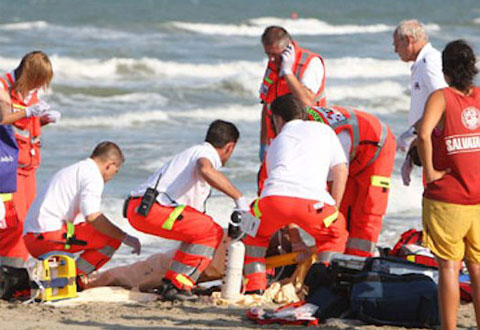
[(459, 150)]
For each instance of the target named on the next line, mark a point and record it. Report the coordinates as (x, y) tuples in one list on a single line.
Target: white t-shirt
[(313, 75), (299, 159), (72, 193), (426, 77), (180, 182), (346, 142)]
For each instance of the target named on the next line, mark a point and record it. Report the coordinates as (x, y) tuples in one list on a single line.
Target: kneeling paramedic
[(295, 191), (171, 204), (66, 215), (370, 148)]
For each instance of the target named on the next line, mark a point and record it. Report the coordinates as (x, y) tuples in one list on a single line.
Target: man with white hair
[(410, 41)]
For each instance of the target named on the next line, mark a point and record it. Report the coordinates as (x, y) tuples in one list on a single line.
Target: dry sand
[(157, 315)]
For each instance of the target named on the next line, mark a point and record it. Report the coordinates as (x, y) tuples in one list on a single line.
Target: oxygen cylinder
[(232, 281)]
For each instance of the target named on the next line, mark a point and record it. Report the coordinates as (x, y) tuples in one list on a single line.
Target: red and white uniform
[(458, 148), (370, 146), (309, 69), (178, 213), (297, 165), (72, 194), (27, 134)]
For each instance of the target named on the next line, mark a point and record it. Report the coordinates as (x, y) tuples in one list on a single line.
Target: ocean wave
[(244, 72), (384, 89), (83, 32), (143, 100), (476, 20), (229, 112), (120, 120), (405, 199), (24, 26), (146, 67), (302, 26), (357, 67)]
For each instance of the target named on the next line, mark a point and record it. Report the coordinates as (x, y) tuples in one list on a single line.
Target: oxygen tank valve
[(234, 230)]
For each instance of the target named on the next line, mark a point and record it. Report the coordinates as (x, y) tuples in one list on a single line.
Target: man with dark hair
[(107, 150), (290, 69), (66, 215), (297, 164), (221, 132), (178, 212)]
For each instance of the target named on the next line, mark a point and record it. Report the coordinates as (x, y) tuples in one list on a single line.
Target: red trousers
[(199, 234), (326, 225), (13, 252), (98, 250), (12, 248), (365, 201), (26, 192)]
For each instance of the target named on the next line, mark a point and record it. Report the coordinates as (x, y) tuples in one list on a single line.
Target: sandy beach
[(158, 315)]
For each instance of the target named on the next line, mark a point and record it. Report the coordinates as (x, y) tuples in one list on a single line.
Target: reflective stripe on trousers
[(107, 251), (12, 262), (197, 249), (326, 256), (255, 251), (84, 266), (188, 270), (254, 267), (361, 245)]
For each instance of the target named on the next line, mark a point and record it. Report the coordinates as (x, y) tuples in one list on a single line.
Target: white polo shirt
[(72, 193), (180, 182), (299, 159), (426, 77), (313, 76)]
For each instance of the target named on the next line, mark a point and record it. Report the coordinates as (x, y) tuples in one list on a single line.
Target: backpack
[(409, 247), (408, 300), (325, 292)]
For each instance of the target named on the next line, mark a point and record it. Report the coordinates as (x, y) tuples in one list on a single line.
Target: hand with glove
[(407, 168), (133, 242), (38, 109), (241, 204), (288, 58), (51, 116), (406, 139)]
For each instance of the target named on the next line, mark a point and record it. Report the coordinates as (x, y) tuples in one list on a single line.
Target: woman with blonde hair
[(27, 115)]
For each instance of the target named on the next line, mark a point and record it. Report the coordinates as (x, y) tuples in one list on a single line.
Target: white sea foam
[(357, 67), (83, 32), (302, 26), (248, 72), (366, 91), (142, 100), (24, 25), (129, 68), (229, 112), (120, 120), (476, 20), (134, 118), (406, 199)]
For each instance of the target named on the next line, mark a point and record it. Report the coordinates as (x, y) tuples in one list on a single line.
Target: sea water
[(151, 75)]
